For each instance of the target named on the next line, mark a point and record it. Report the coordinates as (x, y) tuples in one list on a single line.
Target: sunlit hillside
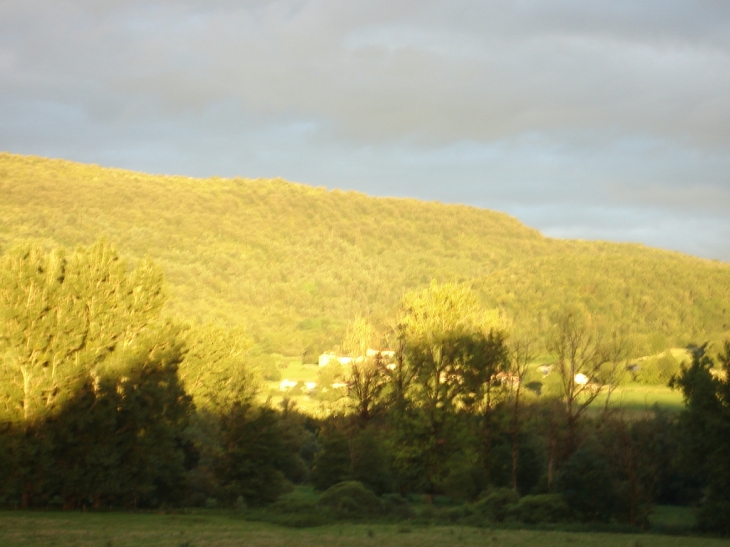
[(294, 264)]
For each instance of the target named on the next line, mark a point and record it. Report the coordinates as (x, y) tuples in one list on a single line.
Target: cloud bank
[(585, 119)]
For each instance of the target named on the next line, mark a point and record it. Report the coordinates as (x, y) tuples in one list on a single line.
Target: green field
[(631, 397), (139, 530), (643, 398)]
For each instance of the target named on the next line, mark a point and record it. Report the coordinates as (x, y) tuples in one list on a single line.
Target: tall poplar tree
[(90, 402)]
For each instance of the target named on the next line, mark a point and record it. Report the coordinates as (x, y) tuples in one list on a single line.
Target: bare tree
[(365, 383), (365, 379), (619, 347), (588, 362), (521, 354)]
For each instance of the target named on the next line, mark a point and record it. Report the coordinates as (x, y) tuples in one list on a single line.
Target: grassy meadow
[(44, 529)]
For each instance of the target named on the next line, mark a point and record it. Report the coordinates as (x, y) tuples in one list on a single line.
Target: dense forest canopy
[(294, 265)]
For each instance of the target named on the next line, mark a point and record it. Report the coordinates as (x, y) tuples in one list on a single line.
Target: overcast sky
[(594, 120)]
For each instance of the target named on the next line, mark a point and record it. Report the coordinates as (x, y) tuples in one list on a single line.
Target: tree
[(587, 485), (254, 455), (587, 361), (216, 370), (485, 356), (400, 376), (93, 407), (61, 316), (452, 350), (369, 462), (366, 378), (521, 354), (333, 463), (704, 427), (634, 450)]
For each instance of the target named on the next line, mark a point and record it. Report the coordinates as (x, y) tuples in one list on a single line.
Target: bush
[(426, 514), (397, 506), (288, 506), (297, 513), (542, 508), (462, 513), (464, 483), (496, 503), (350, 499)]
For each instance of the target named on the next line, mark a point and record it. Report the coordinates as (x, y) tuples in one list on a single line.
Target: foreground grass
[(126, 529)]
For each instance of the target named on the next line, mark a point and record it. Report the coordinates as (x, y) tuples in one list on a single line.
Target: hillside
[(294, 264)]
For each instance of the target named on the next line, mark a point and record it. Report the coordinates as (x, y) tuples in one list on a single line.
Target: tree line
[(105, 402)]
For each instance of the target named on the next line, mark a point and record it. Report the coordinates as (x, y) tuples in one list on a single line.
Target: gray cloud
[(527, 105)]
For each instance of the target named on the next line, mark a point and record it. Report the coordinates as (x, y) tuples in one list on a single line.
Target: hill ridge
[(295, 263)]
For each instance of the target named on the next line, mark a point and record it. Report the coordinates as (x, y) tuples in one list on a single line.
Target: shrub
[(288, 506), (301, 520), (496, 503), (461, 513), (297, 513), (542, 508), (350, 499), (464, 483), (397, 506), (426, 514)]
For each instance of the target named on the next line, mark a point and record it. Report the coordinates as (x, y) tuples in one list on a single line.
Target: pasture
[(20, 528), (631, 397)]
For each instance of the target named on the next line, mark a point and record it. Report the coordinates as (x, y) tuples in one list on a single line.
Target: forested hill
[(295, 264)]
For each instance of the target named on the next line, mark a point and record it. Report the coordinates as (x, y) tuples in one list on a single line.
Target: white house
[(286, 385)]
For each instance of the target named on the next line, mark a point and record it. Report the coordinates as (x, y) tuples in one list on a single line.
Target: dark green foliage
[(298, 513), (541, 508), (350, 499), (453, 351), (495, 505), (531, 461), (637, 452), (705, 432), (332, 464), (119, 441), (465, 482), (285, 506), (397, 506), (370, 463), (408, 435), (587, 486), (254, 455), (99, 418)]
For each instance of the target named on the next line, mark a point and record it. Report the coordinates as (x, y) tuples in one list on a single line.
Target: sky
[(607, 119)]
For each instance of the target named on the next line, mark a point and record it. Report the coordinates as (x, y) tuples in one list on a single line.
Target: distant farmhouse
[(327, 357)]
